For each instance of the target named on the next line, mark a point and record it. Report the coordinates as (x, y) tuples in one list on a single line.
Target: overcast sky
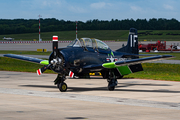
[(84, 10)]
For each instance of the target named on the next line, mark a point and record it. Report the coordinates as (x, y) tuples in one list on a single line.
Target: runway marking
[(110, 100)]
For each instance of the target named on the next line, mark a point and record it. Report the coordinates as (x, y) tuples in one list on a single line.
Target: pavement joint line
[(90, 98)]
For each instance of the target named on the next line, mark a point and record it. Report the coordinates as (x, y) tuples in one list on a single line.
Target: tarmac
[(28, 96)]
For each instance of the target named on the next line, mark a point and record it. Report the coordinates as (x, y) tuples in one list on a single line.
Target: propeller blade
[(55, 46), (41, 70), (71, 74)]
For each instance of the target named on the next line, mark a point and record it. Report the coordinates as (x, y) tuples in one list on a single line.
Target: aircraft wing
[(25, 58), (127, 62)]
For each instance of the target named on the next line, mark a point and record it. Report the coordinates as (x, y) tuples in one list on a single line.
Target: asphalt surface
[(28, 96)]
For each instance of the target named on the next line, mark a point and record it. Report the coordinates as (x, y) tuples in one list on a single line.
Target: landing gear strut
[(112, 81), (60, 83)]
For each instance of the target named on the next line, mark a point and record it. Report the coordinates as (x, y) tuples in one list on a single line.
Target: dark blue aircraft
[(86, 55)]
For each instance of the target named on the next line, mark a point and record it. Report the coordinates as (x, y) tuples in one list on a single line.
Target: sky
[(83, 10)]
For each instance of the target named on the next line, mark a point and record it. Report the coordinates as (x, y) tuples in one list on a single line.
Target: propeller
[(55, 59)]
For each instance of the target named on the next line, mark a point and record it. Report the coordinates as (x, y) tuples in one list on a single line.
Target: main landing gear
[(59, 81), (112, 81)]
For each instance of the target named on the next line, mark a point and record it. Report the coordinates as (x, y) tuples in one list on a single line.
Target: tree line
[(16, 26)]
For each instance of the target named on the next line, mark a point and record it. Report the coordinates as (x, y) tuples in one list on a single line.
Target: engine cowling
[(58, 63)]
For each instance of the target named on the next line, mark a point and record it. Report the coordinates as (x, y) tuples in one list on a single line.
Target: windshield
[(75, 43)]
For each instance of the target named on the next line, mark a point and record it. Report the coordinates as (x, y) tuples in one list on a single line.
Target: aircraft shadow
[(84, 89), (134, 84)]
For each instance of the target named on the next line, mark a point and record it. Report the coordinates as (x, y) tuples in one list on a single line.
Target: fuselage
[(78, 57)]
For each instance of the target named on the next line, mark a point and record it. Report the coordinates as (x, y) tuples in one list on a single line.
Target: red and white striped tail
[(71, 74), (39, 72), (55, 38)]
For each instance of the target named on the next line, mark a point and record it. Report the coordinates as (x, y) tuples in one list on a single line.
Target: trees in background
[(17, 26)]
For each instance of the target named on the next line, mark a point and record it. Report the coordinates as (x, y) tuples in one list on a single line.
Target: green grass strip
[(158, 71), (121, 35), (8, 64), (24, 52)]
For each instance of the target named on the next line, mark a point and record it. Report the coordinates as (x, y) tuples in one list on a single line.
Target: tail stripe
[(135, 36), (131, 40)]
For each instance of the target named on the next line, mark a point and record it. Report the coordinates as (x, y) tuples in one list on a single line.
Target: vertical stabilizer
[(132, 44)]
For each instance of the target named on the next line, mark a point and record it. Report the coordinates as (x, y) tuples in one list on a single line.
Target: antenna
[(39, 28), (76, 29)]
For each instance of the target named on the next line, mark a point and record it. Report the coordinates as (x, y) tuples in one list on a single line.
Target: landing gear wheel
[(58, 85), (62, 87), (112, 80), (112, 83), (111, 87)]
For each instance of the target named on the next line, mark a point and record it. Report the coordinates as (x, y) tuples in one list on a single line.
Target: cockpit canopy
[(88, 42)]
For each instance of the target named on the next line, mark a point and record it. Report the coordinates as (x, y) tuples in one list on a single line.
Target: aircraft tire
[(58, 85), (111, 87), (62, 87)]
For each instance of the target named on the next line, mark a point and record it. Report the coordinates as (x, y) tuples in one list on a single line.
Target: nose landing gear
[(59, 81)]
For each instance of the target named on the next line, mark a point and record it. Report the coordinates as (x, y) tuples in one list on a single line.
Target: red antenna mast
[(39, 28)]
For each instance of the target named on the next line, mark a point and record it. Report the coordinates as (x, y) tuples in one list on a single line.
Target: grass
[(164, 35), (71, 35), (8, 64), (24, 52), (121, 35), (157, 71)]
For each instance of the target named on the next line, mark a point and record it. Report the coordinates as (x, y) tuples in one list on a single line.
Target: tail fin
[(132, 44)]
